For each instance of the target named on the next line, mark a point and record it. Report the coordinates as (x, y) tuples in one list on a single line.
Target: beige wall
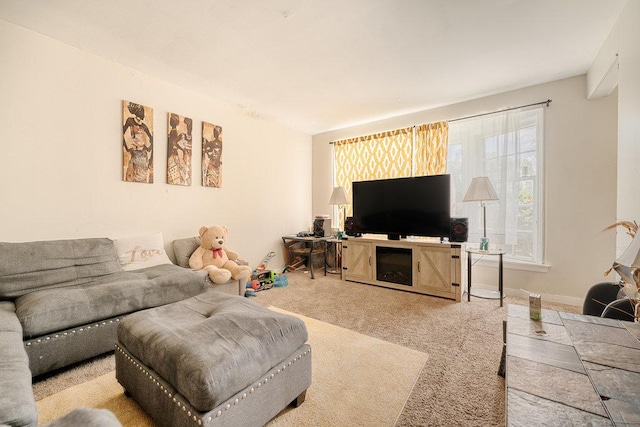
[(621, 49), (628, 117), (579, 181), (61, 156)]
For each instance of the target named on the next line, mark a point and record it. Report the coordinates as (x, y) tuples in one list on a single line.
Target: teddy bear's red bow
[(217, 253)]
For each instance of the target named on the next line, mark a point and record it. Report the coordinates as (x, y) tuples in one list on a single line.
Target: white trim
[(562, 299), (607, 82)]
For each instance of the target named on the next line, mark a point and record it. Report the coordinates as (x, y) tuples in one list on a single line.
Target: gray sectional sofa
[(61, 302)]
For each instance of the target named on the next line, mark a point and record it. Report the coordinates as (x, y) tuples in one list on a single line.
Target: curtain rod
[(548, 101)]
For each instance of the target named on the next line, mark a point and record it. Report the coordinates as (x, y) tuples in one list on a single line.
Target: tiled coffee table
[(571, 369)]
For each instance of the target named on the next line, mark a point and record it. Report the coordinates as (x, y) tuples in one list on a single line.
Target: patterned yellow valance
[(431, 142), (413, 151)]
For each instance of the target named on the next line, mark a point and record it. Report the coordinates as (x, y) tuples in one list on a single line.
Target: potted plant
[(628, 265)]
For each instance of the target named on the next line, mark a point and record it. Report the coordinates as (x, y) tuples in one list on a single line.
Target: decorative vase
[(484, 244)]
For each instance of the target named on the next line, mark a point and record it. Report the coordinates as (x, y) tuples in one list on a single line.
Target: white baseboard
[(561, 299)]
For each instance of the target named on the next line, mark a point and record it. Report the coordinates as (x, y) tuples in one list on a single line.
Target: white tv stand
[(418, 265)]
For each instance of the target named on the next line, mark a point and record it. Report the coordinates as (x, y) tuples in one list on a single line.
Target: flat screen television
[(401, 207)]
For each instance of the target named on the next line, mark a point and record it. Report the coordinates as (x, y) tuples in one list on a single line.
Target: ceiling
[(320, 65)]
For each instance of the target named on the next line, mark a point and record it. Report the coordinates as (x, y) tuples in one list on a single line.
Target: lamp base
[(484, 244)]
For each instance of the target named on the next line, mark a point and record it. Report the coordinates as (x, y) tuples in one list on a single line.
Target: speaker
[(459, 230), (322, 227), (350, 228)]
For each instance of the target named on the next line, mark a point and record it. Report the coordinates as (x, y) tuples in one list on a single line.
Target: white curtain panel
[(506, 147)]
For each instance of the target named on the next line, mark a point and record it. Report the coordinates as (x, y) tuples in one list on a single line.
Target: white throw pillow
[(139, 252)]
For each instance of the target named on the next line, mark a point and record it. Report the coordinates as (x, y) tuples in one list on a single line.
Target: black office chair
[(606, 300), (621, 309), (599, 296)]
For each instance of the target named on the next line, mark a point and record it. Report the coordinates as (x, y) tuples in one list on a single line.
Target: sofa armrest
[(82, 417), (232, 287), (17, 404)]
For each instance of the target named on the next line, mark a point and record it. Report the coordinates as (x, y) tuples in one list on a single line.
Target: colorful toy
[(251, 287), (266, 276), (263, 265), (280, 281), (263, 280)]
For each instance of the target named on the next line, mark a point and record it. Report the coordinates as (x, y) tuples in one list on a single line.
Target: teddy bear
[(214, 257)]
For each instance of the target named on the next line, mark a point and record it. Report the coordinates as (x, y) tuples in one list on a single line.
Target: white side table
[(483, 293)]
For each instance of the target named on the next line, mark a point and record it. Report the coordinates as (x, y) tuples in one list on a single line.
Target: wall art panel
[(137, 143), (211, 155), (179, 138)]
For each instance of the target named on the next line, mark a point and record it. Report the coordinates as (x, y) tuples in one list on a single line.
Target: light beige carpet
[(357, 380)]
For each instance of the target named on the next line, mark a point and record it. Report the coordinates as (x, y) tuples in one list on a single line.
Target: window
[(506, 147)]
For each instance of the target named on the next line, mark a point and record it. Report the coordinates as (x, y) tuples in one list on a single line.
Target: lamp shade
[(480, 189), (338, 197)]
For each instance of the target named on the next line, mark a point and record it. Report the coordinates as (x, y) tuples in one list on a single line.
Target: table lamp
[(339, 198), (481, 190)]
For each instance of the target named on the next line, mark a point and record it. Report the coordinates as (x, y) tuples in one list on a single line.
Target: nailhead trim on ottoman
[(255, 405)]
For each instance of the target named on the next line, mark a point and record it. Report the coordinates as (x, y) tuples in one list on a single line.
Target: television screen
[(418, 206)]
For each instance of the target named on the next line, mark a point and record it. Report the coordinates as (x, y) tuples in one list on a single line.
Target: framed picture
[(179, 139), (211, 155), (137, 142)]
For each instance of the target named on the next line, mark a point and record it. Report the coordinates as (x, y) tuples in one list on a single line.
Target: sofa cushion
[(211, 346), (108, 296), (184, 248), (17, 404), (31, 266), (137, 252)]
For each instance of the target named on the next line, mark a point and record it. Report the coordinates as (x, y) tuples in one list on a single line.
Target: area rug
[(357, 380)]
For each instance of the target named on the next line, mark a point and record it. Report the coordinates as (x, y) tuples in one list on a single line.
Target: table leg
[(468, 277), (500, 280), (286, 267), (326, 244), (503, 358), (310, 259)]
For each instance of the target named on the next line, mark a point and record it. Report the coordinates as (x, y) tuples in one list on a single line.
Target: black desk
[(305, 249)]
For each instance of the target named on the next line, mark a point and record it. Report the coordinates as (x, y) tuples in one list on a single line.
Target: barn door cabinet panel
[(357, 260)]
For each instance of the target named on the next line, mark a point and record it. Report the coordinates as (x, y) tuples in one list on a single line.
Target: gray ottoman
[(213, 360)]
